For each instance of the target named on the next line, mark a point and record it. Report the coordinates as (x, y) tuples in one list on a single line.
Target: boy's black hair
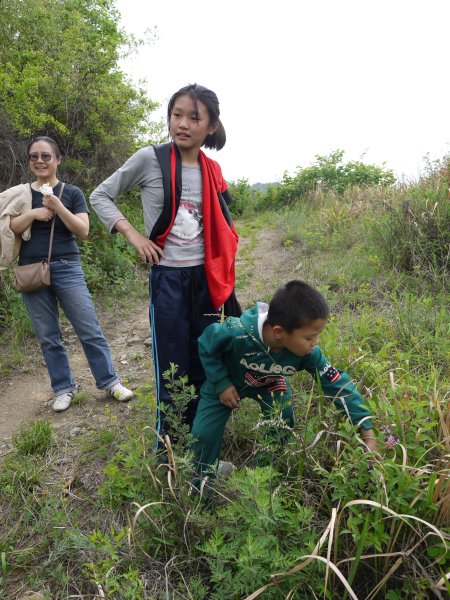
[(216, 140), (295, 305)]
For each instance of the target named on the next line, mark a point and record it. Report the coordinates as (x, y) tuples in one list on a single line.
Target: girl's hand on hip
[(148, 250)]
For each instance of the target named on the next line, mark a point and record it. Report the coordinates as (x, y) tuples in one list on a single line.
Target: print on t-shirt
[(188, 222), (185, 244)]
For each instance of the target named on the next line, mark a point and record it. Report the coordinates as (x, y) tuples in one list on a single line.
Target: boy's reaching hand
[(369, 439), (230, 397)]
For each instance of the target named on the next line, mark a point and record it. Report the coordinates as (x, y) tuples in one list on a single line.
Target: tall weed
[(415, 234)]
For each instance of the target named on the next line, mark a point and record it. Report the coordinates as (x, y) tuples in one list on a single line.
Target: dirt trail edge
[(26, 394)]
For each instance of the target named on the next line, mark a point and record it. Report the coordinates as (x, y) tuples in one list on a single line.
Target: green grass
[(34, 438), (129, 518), (80, 398)]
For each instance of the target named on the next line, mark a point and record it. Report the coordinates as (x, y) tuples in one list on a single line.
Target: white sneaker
[(120, 392), (62, 401)]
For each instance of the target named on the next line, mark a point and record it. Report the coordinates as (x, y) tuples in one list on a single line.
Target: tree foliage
[(330, 173), (59, 76)]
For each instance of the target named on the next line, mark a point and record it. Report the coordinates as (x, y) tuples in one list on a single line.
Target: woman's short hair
[(49, 140)]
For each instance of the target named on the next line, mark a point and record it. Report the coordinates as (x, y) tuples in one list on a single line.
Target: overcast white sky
[(296, 78)]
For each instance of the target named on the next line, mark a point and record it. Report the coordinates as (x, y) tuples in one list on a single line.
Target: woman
[(68, 287), (192, 242)]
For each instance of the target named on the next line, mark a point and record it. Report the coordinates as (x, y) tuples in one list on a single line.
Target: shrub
[(263, 530), (414, 237), (330, 173), (245, 198), (327, 174)]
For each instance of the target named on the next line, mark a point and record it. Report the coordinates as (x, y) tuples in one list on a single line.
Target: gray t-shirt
[(185, 245), (142, 170)]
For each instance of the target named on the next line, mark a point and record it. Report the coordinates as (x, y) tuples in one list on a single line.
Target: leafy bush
[(245, 197), (109, 571), (414, 236), (330, 173), (263, 530), (95, 114)]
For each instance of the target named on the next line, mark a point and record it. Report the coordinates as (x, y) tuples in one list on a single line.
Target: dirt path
[(26, 395)]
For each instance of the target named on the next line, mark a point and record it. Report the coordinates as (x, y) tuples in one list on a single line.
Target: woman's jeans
[(68, 289)]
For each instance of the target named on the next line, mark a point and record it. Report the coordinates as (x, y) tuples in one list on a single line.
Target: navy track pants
[(180, 310)]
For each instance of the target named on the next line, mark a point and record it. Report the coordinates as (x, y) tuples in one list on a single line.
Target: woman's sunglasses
[(46, 156)]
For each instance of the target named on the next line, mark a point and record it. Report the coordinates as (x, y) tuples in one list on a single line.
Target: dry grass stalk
[(329, 534), (276, 578), (440, 585)]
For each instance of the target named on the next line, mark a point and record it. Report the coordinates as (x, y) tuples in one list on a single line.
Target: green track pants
[(212, 416)]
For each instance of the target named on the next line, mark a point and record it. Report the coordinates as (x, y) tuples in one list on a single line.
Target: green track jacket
[(233, 353)]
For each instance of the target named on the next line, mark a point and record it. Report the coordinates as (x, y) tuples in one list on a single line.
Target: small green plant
[(255, 536), (181, 394), (126, 474), (19, 476), (34, 438), (80, 398), (113, 571)]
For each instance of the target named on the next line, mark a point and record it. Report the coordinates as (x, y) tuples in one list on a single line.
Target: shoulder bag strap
[(53, 227)]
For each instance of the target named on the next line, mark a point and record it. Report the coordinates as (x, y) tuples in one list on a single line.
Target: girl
[(68, 286), (191, 243)]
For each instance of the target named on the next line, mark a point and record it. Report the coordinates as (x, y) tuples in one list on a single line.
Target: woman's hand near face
[(52, 203), (76, 223)]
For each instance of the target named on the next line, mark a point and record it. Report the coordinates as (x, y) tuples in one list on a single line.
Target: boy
[(251, 356)]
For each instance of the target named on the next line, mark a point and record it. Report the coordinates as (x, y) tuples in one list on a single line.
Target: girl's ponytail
[(216, 140)]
